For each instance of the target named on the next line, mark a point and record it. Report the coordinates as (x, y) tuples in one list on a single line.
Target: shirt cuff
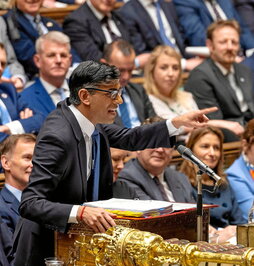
[(173, 131), (183, 63), (22, 77), (15, 127), (73, 215), (249, 52)]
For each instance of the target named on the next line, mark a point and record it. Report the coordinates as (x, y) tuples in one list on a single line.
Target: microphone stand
[(199, 207)]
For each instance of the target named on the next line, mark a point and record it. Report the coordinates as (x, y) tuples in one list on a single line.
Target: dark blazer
[(23, 36), (141, 102), (5, 244), (139, 180), (14, 106), (144, 35), (37, 97), (59, 179), (245, 8), (9, 206), (195, 18), (86, 34), (211, 88)]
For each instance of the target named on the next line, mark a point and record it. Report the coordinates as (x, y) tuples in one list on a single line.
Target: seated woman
[(241, 172), (163, 78), (206, 144)]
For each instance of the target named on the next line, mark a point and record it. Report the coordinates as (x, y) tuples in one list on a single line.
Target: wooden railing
[(1, 180)]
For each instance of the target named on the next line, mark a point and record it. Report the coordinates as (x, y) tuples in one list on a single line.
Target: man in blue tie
[(63, 162), (53, 59), (136, 106), (15, 116)]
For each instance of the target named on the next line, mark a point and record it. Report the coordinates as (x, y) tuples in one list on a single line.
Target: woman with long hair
[(207, 144)]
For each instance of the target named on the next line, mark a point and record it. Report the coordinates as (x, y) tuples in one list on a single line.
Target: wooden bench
[(231, 150), (1, 181)]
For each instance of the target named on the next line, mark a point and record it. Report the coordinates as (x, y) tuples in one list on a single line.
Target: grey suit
[(139, 180), (15, 67), (211, 88)]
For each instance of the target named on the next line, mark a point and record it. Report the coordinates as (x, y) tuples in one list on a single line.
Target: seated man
[(136, 106), (15, 116), (150, 176), (196, 15), (221, 82), (53, 59), (25, 25), (16, 160), (15, 74)]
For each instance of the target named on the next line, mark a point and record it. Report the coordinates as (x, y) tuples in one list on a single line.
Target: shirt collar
[(30, 17), (223, 70), (16, 192), (87, 127), (97, 13), (51, 88), (160, 176), (146, 3)]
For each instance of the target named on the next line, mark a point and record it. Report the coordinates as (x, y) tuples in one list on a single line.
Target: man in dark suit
[(221, 82), (25, 25), (121, 54), (145, 31), (196, 15), (53, 59), (150, 176), (93, 25), (5, 245), (16, 161), (67, 173), (15, 116)]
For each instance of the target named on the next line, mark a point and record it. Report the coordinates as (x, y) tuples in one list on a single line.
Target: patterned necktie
[(111, 33), (96, 164), (125, 113), (61, 92), (215, 10), (163, 36), (161, 188), (37, 21)]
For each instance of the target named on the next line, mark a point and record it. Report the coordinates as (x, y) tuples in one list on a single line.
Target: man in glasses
[(136, 106), (65, 163)]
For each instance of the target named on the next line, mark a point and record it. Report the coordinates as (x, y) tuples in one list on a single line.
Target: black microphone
[(187, 154)]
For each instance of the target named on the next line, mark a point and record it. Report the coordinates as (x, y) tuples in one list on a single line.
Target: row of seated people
[(218, 81), (148, 176), (96, 23)]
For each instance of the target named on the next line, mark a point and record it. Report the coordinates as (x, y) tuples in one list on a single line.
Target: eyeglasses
[(114, 93)]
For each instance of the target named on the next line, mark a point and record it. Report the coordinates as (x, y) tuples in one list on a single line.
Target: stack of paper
[(133, 208)]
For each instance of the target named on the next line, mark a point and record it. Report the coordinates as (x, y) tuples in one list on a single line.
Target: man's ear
[(244, 146), (209, 44), (84, 96), (5, 162), (36, 59)]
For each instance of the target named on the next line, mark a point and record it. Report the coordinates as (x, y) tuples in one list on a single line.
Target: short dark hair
[(122, 45), (10, 143), (91, 74), (221, 24)]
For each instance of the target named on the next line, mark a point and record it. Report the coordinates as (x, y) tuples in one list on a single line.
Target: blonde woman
[(163, 79)]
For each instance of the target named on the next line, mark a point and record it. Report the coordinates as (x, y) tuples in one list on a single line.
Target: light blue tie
[(161, 26), (5, 117), (96, 164), (61, 92), (125, 112)]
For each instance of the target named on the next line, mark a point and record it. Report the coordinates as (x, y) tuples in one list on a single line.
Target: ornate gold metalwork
[(121, 246)]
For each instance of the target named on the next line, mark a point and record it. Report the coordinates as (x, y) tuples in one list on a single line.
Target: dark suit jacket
[(246, 10), (5, 244), (9, 206), (139, 180), (141, 102), (86, 34), (23, 36), (14, 106), (144, 35), (59, 179), (37, 97), (195, 18), (211, 88)]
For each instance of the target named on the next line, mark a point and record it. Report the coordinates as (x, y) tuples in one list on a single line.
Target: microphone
[(187, 154)]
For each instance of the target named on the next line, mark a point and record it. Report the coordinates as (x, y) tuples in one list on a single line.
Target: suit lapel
[(27, 26), (173, 186), (10, 199)]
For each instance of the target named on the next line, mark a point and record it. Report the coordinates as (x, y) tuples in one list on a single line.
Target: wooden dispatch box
[(245, 234), (72, 249)]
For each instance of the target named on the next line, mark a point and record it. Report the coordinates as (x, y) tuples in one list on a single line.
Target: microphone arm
[(187, 154)]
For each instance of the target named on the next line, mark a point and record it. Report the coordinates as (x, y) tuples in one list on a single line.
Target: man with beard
[(219, 80)]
